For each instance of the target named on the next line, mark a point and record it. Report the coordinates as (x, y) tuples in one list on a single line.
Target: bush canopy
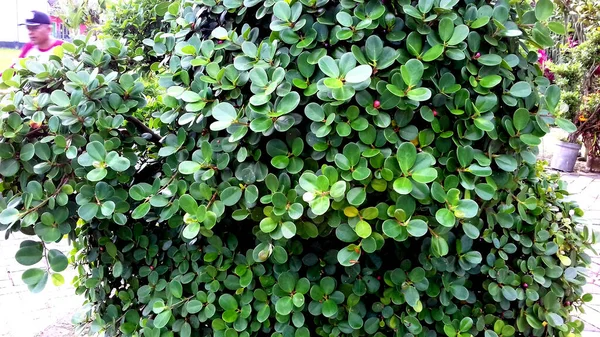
[(307, 168)]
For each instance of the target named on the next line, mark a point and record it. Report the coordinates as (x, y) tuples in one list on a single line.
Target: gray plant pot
[(564, 156)]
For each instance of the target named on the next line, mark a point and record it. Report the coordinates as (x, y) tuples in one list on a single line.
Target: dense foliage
[(568, 77), (324, 168), (135, 21)]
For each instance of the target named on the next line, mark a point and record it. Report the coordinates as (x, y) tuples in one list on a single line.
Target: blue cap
[(37, 18)]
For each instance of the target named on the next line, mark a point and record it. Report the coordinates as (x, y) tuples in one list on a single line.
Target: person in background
[(41, 42), (40, 36)]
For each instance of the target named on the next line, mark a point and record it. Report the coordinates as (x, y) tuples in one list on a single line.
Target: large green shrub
[(319, 168)]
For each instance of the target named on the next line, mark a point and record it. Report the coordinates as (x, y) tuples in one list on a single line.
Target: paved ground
[(585, 188), (23, 314)]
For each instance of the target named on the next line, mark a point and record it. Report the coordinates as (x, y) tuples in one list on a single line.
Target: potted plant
[(568, 77), (578, 79)]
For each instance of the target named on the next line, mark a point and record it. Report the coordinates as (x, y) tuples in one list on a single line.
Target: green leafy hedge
[(324, 168)]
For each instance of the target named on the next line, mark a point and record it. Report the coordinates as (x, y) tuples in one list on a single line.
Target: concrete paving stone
[(593, 215), (594, 303), (585, 191), (24, 314), (4, 274), (579, 184), (592, 289), (13, 290), (590, 328), (590, 325)]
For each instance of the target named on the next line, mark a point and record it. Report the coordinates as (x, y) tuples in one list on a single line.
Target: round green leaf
[(58, 261), (544, 9), (176, 289), (425, 175), (459, 35), (419, 94), (231, 195), (162, 319), (359, 74), (228, 302), (521, 119), (490, 60), (320, 205), (412, 72), (363, 229), (530, 139), (466, 209), (566, 125), (29, 255), (406, 155), (461, 293), (433, 53), (9, 167), (446, 29), (96, 150), (117, 163), (485, 191), (88, 211), (141, 211), (9, 216), (33, 276), (403, 185), (445, 217), (97, 174), (329, 67), (521, 89), (417, 228), (330, 308), (490, 81), (284, 305), (506, 162)]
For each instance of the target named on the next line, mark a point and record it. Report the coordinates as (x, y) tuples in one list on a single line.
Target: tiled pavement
[(23, 314), (47, 314), (585, 189)]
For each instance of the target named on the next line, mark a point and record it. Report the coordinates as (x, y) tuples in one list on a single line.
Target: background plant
[(75, 13), (578, 78), (311, 168), (136, 21)]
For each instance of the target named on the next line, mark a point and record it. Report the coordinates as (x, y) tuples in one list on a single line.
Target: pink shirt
[(29, 49)]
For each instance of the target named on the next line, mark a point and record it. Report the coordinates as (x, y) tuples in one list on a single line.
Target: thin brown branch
[(36, 132), (591, 118), (144, 129)]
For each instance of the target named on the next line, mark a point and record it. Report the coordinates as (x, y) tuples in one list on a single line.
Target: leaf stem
[(65, 179)]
